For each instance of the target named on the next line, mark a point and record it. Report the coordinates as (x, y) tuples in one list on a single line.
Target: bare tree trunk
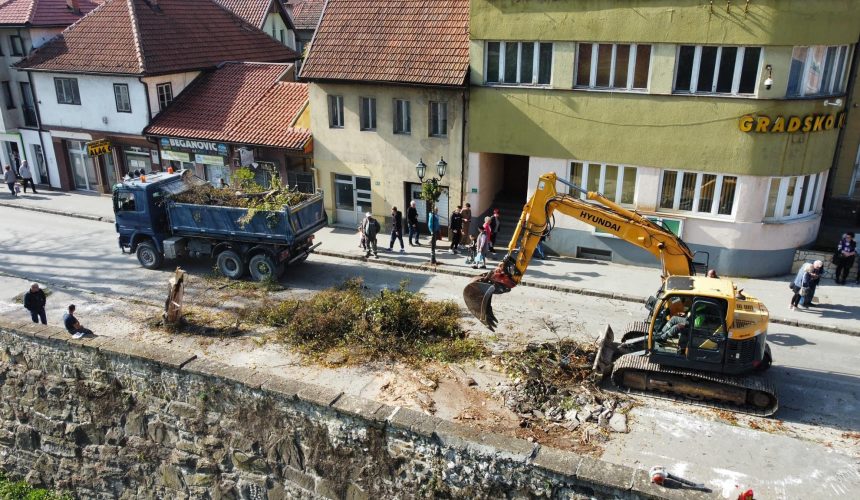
[(175, 295)]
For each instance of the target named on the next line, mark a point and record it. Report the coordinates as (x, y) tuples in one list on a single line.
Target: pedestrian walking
[(412, 223), (74, 326), (495, 225), (488, 228), (371, 229), (9, 179), (482, 247), (814, 278), (846, 252), (466, 215), (396, 229), (26, 176), (434, 228), (456, 228), (34, 301), (800, 285)]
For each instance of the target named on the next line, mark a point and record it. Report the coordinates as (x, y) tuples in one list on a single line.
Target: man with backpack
[(371, 228)]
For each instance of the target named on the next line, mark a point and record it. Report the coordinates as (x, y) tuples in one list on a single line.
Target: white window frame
[(619, 188), (715, 203), (503, 60), (436, 129), (162, 90), (335, 111), (118, 98), (67, 91), (370, 119), (402, 117), (736, 76), (810, 207), (838, 81), (631, 68)]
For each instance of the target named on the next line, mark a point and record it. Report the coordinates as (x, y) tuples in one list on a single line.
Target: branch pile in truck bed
[(207, 194)]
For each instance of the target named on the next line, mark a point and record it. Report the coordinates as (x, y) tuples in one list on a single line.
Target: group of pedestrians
[(809, 275), (35, 301), (10, 177)]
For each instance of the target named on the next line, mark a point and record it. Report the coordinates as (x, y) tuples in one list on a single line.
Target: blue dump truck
[(154, 227)]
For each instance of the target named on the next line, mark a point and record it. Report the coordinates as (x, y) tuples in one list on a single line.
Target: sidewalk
[(837, 310)]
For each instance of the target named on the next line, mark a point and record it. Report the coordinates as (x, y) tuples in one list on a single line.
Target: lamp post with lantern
[(431, 190)]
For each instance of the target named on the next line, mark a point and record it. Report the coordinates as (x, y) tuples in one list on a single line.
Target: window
[(7, 95), (438, 119), (717, 70), (123, 201), (335, 111), (368, 113), (698, 192), (526, 63), (17, 44), (120, 93), (165, 95), (67, 91), (792, 197), (615, 182), (402, 117), (817, 70), (613, 66)]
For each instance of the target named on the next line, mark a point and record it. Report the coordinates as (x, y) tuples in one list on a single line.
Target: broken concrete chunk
[(618, 423)]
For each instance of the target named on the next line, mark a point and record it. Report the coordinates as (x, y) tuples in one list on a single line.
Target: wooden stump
[(175, 295)]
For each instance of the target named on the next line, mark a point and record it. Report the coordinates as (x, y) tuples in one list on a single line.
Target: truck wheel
[(263, 268), (231, 265), (148, 256)]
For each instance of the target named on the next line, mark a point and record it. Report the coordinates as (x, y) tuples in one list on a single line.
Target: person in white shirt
[(26, 176)]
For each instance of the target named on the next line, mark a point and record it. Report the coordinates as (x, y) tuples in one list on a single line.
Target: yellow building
[(388, 89)]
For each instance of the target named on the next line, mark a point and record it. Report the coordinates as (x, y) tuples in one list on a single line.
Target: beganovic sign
[(194, 146), (792, 124)]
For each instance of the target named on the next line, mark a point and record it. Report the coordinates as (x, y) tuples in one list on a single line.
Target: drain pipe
[(39, 131), (464, 155)]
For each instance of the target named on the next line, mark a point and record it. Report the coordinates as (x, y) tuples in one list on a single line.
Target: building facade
[(383, 100), (270, 16), (719, 120)]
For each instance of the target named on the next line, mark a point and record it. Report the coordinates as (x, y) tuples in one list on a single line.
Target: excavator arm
[(535, 221)]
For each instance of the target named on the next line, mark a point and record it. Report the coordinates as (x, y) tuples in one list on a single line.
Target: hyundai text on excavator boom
[(703, 340)]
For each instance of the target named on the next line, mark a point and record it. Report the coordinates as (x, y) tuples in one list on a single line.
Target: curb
[(464, 274)]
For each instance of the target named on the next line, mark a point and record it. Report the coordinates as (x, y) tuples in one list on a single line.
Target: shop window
[(303, 182), (17, 44), (123, 101), (67, 91), (7, 96), (438, 119), (698, 192), (792, 197), (335, 111), (165, 95), (617, 66), (525, 63), (402, 117), (717, 70), (817, 70), (368, 113), (617, 183)]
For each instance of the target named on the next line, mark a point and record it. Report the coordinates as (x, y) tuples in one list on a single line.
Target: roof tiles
[(306, 13), (244, 103), (42, 12), (140, 37), (402, 41), (253, 11)]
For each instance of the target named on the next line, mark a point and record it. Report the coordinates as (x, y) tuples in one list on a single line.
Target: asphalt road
[(817, 373)]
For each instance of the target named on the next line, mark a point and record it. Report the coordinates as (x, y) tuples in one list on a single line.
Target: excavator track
[(751, 394)]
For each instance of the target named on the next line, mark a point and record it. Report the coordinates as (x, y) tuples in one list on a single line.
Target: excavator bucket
[(478, 296)]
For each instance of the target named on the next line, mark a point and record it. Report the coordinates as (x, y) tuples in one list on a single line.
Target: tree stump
[(175, 296)]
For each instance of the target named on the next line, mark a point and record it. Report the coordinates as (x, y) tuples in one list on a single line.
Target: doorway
[(413, 192), (13, 155), (83, 167), (515, 179), (108, 171), (352, 197)]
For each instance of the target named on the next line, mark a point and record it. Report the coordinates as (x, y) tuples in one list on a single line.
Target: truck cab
[(139, 210)]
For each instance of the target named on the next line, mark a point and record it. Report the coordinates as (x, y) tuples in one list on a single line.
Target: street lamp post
[(431, 190)]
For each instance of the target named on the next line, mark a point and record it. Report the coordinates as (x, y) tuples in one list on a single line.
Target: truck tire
[(230, 264), (149, 256), (263, 268)]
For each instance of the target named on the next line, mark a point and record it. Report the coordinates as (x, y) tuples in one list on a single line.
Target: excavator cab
[(698, 336)]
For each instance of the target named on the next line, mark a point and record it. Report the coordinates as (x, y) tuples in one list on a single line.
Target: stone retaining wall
[(108, 418), (802, 256)]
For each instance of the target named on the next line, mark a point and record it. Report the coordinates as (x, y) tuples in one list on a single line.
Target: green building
[(720, 119)]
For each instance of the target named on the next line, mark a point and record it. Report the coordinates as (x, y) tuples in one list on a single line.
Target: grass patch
[(393, 325), (21, 490)]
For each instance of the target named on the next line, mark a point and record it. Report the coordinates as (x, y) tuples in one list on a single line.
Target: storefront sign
[(792, 124), (209, 160), (98, 147), (175, 156), (194, 146)]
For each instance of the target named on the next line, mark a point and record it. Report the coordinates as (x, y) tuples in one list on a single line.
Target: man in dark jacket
[(456, 228), (396, 229), (34, 301), (412, 222), (74, 326)]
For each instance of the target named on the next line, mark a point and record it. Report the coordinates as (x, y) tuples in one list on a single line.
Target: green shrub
[(21, 490)]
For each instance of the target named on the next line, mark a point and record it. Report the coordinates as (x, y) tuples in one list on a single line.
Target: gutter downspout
[(464, 155), (39, 129)]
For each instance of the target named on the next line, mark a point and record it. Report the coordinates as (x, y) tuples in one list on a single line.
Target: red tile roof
[(402, 41), (253, 11), (306, 13), (42, 12), (243, 103), (134, 37)]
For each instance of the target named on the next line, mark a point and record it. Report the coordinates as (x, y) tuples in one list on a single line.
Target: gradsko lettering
[(600, 221)]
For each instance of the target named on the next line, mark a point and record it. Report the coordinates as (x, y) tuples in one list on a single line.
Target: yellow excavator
[(703, 341)]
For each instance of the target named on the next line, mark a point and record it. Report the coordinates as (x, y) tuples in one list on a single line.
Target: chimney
[(74, 6)]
